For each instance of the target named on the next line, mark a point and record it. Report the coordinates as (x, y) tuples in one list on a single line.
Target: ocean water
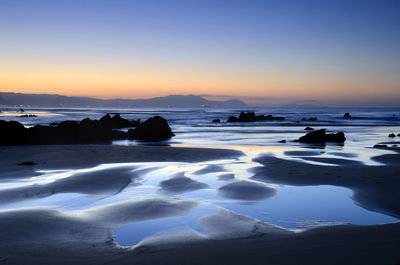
[(290, 207)]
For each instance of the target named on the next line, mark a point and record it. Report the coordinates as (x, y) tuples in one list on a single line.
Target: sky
[(260, 51)]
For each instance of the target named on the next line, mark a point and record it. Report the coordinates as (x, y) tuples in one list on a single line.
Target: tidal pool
[(292, 208)]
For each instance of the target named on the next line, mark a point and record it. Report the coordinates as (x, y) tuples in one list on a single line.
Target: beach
[(49, 236), (204, 198)]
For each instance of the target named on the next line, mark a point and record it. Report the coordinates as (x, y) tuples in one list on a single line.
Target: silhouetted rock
[(27, 163), (216, 120), (247, 117), (282, 141), (320, 136), (12, 133), (117, 122), (153, 129), (347, 115), (309, 129), (269, 118), (309, 119), (380, 146), (67, 132), (391, 135), (398, 134), (232, 119), (251, 117), (28, 115)]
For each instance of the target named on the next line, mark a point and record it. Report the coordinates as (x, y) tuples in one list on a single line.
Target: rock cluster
[(252, 117), (85, 132)]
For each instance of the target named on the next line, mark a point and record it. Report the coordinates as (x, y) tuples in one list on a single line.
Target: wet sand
[(78, 156), (49, 236)]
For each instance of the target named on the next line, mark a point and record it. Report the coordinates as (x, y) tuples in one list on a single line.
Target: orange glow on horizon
[(146, 82)]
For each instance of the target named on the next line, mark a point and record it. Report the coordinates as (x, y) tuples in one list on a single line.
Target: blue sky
[(305, 49)]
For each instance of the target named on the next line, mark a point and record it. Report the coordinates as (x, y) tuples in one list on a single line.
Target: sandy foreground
[(48, 236)]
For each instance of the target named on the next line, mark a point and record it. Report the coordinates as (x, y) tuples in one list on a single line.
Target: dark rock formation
[(153, 129), (320, 136), (12, 133), (398, 134), (216, 120), (309, 119), (232, 119), (269, 118), (380, 146), (391, 135), (251, 117), (282, 141), (85, 132), (28, 116), (309, 129), (247, 117), (347, 115), (117, 122)]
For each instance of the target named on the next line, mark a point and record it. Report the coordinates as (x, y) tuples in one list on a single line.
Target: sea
[(292, 207)]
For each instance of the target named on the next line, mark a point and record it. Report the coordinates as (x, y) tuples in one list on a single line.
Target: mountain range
[(172, 101)]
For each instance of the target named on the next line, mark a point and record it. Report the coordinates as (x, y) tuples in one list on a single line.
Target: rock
[(117, 122), (282, 141), (28, 116), (309, 129), (309, 119), (12, 133), (391, 135), (45, 135), (269, 118), (251, 117), (27, 163), (232, 119), (216, 120), (398, 134), (320, 136), (153, 129), (380, 146), (247, 117), (67, 132), (347, 115)]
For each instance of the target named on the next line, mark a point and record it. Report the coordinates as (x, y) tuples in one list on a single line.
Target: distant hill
[(172, 101)]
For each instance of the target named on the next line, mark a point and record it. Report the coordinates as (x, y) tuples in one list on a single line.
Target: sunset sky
[(255, 50)]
